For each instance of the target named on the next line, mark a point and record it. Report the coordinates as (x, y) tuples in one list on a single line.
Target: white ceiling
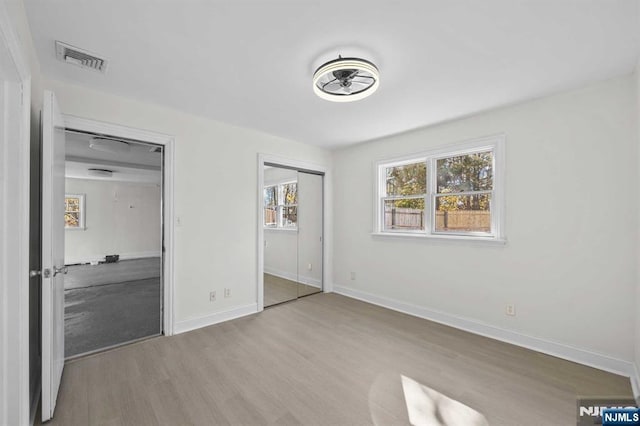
[(80, 170), (137, 165), (250, 63)]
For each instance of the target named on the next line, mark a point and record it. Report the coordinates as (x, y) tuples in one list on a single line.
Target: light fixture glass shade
[(100, 173), (109, 145), (346, 80)]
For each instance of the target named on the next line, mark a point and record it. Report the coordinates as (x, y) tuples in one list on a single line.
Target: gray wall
[(120, 218)]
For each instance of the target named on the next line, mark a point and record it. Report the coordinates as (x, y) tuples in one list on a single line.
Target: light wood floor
[(322, 360), (278, 290)]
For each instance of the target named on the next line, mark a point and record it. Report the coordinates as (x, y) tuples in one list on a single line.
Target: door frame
[(168, 221), (327, 284), (15, 121)]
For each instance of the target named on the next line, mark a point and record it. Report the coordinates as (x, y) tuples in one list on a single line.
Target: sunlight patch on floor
[(426, 406)]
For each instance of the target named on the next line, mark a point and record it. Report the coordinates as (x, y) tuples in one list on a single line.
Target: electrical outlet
[(227, 292), (353, 276), (212, 296), (309, 266), (510, 310)]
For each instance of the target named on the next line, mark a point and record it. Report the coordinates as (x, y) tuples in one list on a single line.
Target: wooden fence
[(457, 220)]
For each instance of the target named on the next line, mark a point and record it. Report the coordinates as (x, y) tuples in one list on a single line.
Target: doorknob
[(62, 270)]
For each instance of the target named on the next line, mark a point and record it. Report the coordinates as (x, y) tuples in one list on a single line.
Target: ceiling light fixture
[(346, 79), (109, 145), (100, 173)]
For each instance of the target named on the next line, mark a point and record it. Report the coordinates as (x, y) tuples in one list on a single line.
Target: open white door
[(53, 269)]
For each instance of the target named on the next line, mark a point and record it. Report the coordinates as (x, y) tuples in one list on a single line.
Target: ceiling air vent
[(82, 58)]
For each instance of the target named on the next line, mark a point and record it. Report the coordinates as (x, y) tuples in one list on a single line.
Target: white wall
[(19, 362), (281, 253), (120, 218), (216, 166), (571, 217)]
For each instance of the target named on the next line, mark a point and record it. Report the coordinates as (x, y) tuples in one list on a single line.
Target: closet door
[(310, 226), (280, 235)]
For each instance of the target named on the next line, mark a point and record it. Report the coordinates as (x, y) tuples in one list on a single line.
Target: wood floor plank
[(322, 360)]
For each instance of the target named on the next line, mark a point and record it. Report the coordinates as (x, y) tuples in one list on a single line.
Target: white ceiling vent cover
[(82, 58)]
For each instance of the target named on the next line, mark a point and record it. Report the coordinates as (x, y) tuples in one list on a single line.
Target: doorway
[(57, 210), (113, 241), (292, 227)]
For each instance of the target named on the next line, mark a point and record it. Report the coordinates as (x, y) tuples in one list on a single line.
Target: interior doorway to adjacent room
[(113, 241)]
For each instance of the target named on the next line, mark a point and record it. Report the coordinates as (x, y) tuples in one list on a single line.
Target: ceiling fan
[(346, 79)]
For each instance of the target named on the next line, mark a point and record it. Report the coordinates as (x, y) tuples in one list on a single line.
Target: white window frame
[(281, 206), (277, 223), (81, 222), (491, 143)]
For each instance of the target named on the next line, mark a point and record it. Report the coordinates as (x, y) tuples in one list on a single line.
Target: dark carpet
[(105, 315)]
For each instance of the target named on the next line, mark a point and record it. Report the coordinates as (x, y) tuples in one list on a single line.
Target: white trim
[(438, 237), (495, 143), (291, 229), (327, 264), (101, 258), (635, 383), (215, 318), (560, 350), (291, 276), (105, 128), (14, 280), (168, 142)]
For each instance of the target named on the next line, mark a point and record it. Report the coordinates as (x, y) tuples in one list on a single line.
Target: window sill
[(457, 238), (293, 230)]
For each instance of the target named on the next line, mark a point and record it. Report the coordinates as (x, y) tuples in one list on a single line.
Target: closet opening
[(292, 229)]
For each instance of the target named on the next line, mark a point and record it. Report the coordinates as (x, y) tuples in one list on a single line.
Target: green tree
[(465, 173), (408, 180)]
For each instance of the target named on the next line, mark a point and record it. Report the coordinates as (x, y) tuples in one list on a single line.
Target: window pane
[(270, 196), (72, 220), (464, 173), (407, 214), (289, 216), (270, 216), (463, 213), (409, 179), (72, 204), (290, 193)]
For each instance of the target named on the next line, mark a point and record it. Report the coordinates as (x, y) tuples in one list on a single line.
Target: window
[(74, 211), (453, 192), (281, 205)]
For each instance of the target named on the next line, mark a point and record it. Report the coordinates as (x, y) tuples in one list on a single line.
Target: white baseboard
[(635, 383), (100, 258), (215, 318), (313, 282), (560, 350)]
